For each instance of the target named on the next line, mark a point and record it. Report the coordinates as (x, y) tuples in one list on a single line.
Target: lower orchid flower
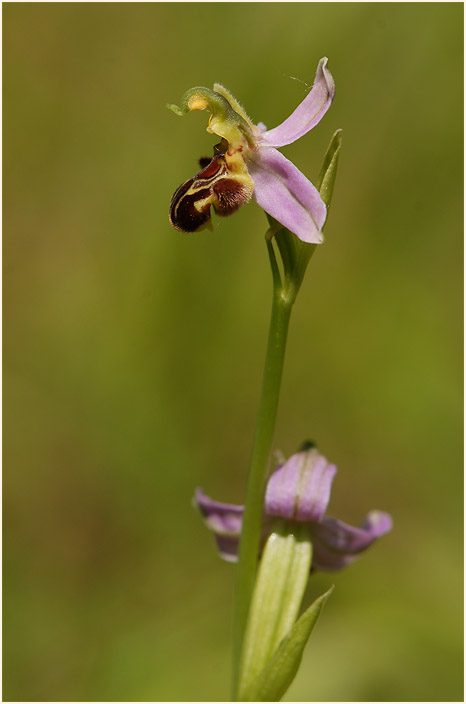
[(247, 163), (298, 490)]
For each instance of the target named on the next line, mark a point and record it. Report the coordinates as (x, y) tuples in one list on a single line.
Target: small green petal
[(218, 88)]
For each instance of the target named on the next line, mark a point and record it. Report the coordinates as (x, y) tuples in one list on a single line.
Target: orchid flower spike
[(298, 490), (247, 163)]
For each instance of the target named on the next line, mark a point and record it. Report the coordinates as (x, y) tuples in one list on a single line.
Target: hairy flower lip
[(223, 183), (298, 490)]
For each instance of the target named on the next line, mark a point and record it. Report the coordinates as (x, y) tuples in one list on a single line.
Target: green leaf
[(328, 172), (281, 669), (281, 581)]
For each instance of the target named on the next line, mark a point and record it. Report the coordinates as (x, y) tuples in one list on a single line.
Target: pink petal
[(337, 544), (224, 520), (308, 113), (286, 194), (300, 489)]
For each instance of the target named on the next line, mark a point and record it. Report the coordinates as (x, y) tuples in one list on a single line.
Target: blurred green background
[(133, 354)]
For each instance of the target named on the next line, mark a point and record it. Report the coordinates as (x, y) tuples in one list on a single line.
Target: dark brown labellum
[(215, 185), (188, 212)]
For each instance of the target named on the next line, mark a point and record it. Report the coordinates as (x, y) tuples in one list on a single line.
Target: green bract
[(281, 669), (274, 640)]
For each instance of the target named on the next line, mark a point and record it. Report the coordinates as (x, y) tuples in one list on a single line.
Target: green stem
[(252, 519), (295, 256)]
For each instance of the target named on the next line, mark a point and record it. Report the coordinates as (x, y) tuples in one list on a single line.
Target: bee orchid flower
[(298, 490), (247, 164)]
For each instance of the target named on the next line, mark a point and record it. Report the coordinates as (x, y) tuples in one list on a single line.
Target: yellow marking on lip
[(201, 204)]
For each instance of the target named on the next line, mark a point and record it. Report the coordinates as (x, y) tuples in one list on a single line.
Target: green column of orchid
[(295, 256)]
